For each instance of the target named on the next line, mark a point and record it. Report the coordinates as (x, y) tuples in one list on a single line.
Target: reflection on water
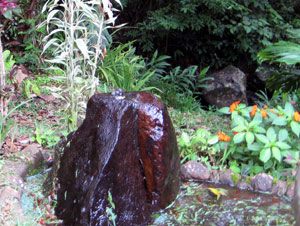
[(197, 206)]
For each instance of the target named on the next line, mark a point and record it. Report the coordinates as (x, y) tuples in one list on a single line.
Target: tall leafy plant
[(83, 26)]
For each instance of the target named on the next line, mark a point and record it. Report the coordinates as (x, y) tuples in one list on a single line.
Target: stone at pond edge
[(126, 146), (279, 188), (194, 170), (290, 190), (262, 182), (226, 177)]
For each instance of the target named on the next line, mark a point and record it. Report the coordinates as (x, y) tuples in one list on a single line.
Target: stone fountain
[(126, 146)]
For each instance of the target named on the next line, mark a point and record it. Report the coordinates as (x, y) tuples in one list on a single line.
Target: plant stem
[(2, 77)]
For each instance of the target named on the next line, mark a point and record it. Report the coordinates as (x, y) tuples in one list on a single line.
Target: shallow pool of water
[(196, 205)]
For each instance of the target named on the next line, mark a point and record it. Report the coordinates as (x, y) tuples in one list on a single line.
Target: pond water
[(196, 205)]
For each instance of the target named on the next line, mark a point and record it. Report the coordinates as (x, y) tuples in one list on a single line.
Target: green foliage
[(110, 211), (287, 53), (121, 68), (32, 44), (179, 87), (45, 136), (6, 122), (201, 144), (215, 32), (8, 60), (28, 87), (265, 135)]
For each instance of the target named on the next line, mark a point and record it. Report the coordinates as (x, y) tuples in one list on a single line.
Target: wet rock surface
[(125, 146)]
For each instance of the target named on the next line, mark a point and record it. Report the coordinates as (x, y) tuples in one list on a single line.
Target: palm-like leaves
[(281, 52)]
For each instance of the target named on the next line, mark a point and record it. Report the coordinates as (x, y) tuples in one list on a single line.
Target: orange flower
[(297, 116), (235, 132), (220, 132), (227, 138), (233, 106), (223, 137), (265, 107), (263, 113), (254, 109)]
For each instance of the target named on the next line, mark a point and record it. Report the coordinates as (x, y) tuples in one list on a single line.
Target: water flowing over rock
[(126, 146)]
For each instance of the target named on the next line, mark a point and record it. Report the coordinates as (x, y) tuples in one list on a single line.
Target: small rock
[(290, 190), (262, 182), (19, 168), (194, 170), (242, 184), (33, 155), (279, 188), (215, 176), (226, 177)]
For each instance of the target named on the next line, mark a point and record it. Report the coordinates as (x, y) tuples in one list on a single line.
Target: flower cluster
[(223, 137), (233, 106)]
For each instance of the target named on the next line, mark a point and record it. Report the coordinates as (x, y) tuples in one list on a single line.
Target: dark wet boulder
[(127, 147), (225, 87)]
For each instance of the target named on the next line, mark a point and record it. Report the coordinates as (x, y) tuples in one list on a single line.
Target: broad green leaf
[(295, 126), (288, 109), (249, 137), (262, 138), (235, 169), (239, 128), (257, 169), (282, 145), (36, 89), (254, 123), (283, 135), (276, 153), (254, 147), (238, 138), (280, 121), (259, 129), (185, 138), (213, 140), (245, 113), (265, 155), (224, 110), (271, 135)]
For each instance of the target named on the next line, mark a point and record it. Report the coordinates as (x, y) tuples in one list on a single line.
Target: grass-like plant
[(78, 37), (122, 68)]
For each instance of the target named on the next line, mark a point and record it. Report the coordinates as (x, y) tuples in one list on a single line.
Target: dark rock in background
[(225, 87), (126, 146)]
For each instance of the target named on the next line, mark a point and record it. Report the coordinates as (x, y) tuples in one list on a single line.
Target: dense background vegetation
[(210, 33)]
